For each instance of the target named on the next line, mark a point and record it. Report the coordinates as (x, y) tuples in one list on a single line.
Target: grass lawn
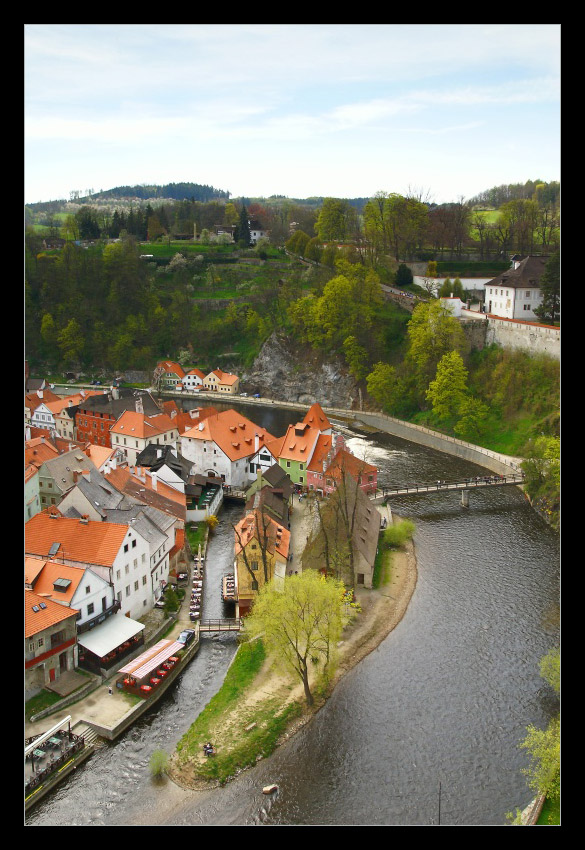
[(41, 701), (236, 748), (550, 814)]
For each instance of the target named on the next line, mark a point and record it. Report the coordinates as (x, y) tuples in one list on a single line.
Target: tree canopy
[(300, 624)]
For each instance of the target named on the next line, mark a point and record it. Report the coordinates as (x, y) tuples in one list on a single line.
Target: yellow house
[(222, 382), (261, 555)]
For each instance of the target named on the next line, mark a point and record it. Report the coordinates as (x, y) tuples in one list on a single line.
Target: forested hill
[(172, 191)]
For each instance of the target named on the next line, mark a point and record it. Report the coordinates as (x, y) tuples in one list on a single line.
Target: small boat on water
[(270, 789)]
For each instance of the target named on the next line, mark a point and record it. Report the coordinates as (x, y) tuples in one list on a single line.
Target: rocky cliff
[(290, 373)]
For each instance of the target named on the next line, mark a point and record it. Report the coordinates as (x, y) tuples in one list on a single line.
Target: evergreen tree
[(550, 285), (243, 228)]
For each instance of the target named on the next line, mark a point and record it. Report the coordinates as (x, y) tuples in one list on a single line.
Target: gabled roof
[(32, 400), (91, 542), (65, 469), (171, 368), (70, 577), (127, 399), (196, 372), (346, 463), (258, 524), (39, 450), (322, 449), (142, 427), (316, 418), (232, 433), (223, 377), (299, 442), (140, 487), (41, 613), (527, 275)]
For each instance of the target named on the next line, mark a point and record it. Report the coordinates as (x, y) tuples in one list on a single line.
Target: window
[(143, 579), (127, 590), (135, 563), (125, 547), (133, 543), (254, 584), (526, 306), (88, 589), (254, 565), (127, 569), (135, 585), (90, 609), (40, 643), (117, 574)]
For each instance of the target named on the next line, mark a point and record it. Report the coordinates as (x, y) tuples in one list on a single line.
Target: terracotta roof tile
[(230, 430), (45, 617), (91, 542)]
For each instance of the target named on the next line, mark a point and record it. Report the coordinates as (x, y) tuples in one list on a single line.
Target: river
[(425, 730)]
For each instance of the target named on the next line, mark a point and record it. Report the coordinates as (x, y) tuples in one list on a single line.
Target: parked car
[(257, 395), (243, 395), (186, 636)]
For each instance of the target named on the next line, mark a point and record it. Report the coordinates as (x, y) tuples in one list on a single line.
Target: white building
[(516, 293)]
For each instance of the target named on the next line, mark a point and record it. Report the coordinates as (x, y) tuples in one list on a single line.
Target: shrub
[(158, 763)]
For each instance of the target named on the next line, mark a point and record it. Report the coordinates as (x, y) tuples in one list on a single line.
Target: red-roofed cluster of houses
[(111, 479)]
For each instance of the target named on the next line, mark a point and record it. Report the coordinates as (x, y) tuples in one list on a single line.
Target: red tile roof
[(233, 433), (316, 418), (47, 616), (91, 542)]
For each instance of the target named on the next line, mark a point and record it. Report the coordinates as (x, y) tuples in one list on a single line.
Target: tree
[(301, 623), (381, 383), (544, 746), (433, 332), (337, 221), (550, 286), (473, 413), (243, 229), (544, 749), (447, 392), (71, 342), (404, 276)]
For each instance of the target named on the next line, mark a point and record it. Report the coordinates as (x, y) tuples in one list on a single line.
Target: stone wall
[(536, 339)]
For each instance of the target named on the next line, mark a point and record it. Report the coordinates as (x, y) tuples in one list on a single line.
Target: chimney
[(153, 477), (256, 442)]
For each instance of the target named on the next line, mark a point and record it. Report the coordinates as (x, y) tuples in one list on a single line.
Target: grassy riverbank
[(258, 707)]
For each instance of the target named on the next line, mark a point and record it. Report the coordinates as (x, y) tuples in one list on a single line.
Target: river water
[(425, 730)]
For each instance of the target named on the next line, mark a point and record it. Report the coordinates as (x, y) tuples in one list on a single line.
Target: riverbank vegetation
[(240, 732), (544, 750)]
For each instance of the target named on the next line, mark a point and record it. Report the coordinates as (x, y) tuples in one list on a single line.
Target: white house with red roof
[(224, 446), (193, 379), (134, 431), (118, 553), (74, 587)]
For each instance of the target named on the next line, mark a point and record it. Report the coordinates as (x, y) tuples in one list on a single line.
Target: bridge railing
[(220, 625), (479, 481)]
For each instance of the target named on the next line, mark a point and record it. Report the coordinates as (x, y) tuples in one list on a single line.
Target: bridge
[(464, 486), (220, 625)]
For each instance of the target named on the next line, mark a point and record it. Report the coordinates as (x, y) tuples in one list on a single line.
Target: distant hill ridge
[(173, 191)]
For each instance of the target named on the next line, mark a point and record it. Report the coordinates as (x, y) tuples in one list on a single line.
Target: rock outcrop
[(299, 374)]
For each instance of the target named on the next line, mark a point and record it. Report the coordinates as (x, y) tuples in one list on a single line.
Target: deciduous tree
[(301, 623)]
